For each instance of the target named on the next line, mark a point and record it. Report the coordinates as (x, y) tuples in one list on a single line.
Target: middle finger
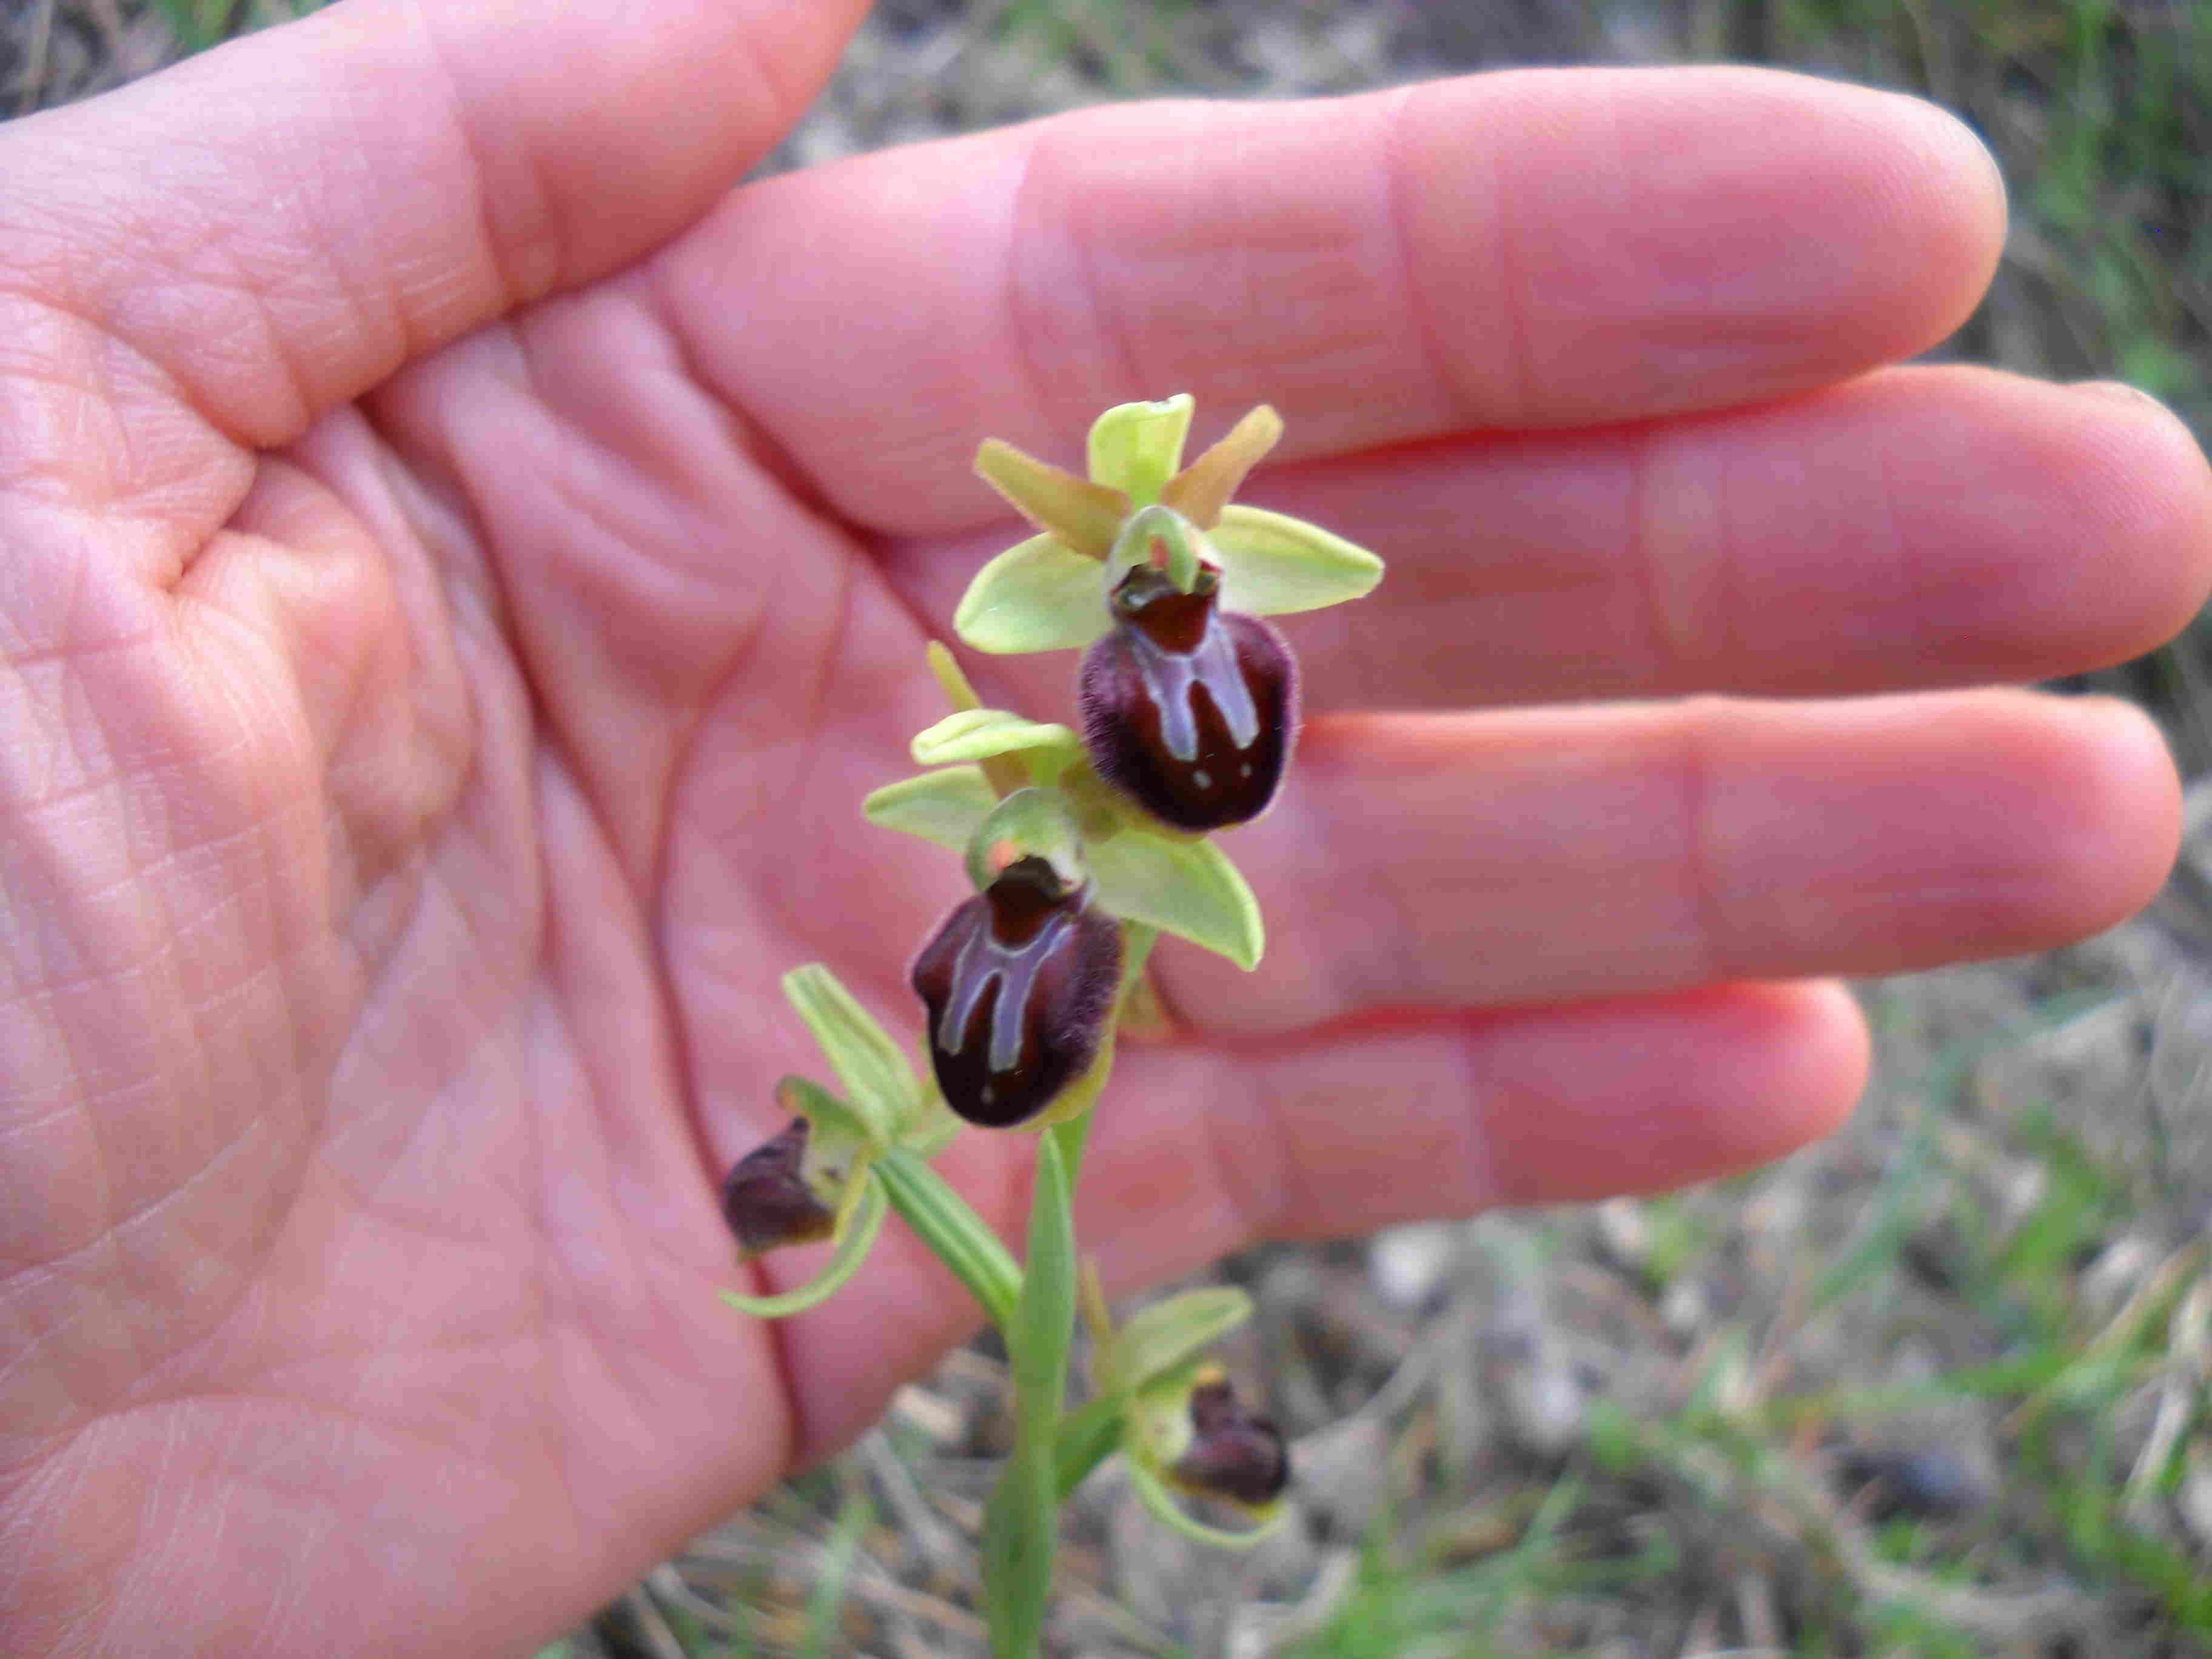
[(1921, 527)]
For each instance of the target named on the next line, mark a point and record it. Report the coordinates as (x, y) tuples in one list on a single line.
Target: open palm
[(463, 569)]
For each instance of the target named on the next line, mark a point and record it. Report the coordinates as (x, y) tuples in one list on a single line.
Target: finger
[(223, 251), (1446, 860), (1535, 248), (1919, 527), (1199, 1152)]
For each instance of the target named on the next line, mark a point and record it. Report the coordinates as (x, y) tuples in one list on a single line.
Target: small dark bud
[(1187, 708), (1018, 983), (766, 1199), (1232, 1454)]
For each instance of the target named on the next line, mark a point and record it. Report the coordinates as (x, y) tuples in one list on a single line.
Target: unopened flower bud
[(1187, 708), (1019, 983), (1232, 1454), (768, 1200)]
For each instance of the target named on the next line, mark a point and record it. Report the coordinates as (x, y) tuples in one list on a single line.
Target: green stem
[(955, 1232), (1021, 1524)]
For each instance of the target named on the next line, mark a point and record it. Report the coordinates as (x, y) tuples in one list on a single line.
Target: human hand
[(464, 571)]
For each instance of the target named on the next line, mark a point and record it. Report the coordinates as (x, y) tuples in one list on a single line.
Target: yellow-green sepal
[(1180, 885), (1166, 1336), (1038, 595), (1136, 448), (1273, 564), (855, 1236), (943, 807)]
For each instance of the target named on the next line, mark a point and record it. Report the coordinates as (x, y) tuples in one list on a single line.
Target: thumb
[(226, 249)]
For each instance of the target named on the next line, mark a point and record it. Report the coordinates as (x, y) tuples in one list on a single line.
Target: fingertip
[(1669, 1091), (2157, 487), (1951, 193), (2114, 778), (1814, 1036)]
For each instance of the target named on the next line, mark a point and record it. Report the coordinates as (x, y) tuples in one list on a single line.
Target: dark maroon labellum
[(1018, 983), (1189, 709), (766, 1200), (1232, 1454)]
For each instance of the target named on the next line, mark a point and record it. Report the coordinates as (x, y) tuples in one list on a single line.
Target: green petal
[(1083, 514), (1188, 888), (1136, 448), (1272, 563), (980, 734), (1178, 538), (1172, 1332), (1033, 822), (867, 1220), (878, 1080), (1038, 595), (1202, 489), (944, 807), (1156, 1498)]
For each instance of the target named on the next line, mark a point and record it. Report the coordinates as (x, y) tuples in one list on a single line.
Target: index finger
[(1533, 248)]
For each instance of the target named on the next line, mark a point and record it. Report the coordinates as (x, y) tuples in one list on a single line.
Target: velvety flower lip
[(766, 1198), (1233, 1454), (1188, 709), (1018, 983)]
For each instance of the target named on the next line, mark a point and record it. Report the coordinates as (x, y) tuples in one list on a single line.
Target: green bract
[(884, 1094)]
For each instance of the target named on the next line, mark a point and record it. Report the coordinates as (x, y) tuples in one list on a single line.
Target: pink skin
[(464, 568)]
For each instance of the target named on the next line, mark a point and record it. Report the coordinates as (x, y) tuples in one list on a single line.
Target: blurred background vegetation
[(1939, 1387)]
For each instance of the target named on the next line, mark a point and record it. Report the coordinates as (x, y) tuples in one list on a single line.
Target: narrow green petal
[(1202, 489), (1038, 595), (1172, 1332), (1155, 1496), (1188, 888), (1136, 448), (852, 1249), (1272, 563), (1083, 514), (944, 668), (944, 807), (878, 1081), (982, 733)]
